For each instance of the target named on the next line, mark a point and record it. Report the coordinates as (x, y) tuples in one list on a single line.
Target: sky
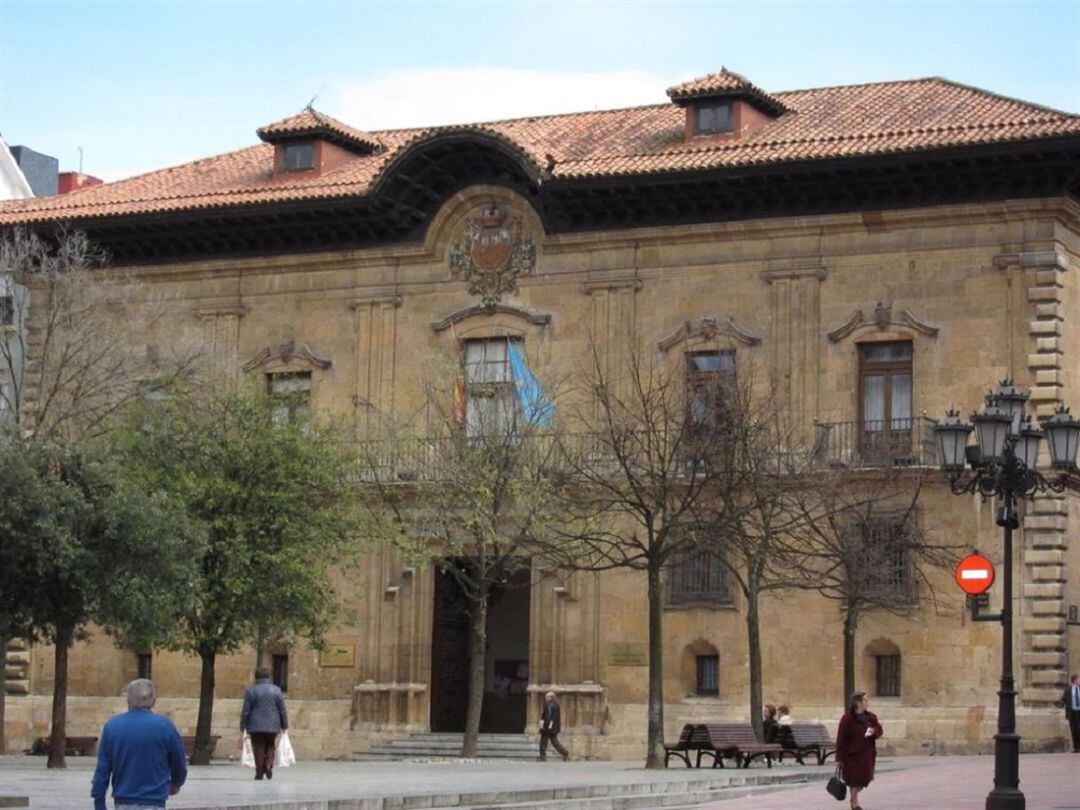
[(139, 86)]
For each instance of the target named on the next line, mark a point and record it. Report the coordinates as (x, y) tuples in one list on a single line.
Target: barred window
[(698, 576), (708, 674), (888, 675), (886, 546)]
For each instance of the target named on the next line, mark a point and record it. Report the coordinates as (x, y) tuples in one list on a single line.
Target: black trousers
[(262, 745), (1074, 729), (554, 738)]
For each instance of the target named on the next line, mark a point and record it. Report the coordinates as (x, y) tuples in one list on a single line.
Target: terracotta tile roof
[(834, 122), (312, 122), (724, 83)]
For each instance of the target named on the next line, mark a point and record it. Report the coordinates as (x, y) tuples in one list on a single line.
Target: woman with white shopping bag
[(262, 719)]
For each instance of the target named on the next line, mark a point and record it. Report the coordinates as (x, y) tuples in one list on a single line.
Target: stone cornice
[(882, 320), (494, 308), (708, 328), (290, 352)]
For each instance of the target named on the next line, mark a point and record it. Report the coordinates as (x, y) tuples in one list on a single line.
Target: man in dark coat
[(856, 746), (263, 717), (550, 726), (1070, 699)]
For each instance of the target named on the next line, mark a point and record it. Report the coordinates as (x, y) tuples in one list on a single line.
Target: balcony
[(896, 443)]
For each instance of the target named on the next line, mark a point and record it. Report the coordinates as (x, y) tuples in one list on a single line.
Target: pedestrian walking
[(263, 718), (856, 746), (140, 753), (1070, 699), (550, 726)]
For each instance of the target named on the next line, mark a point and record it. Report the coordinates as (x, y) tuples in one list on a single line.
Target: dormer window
[(712, 117), (298, 157), (725, 106), (313, 142)]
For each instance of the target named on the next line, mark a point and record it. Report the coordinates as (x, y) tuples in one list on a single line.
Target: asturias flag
[(538, 409)]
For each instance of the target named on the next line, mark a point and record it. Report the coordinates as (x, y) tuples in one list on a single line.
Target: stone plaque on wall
[(627, 654), (338, 655)]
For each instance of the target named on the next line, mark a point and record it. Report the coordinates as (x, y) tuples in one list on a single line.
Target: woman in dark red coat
[(856, 750)]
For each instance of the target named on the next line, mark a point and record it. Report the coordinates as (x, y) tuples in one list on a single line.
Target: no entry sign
[(975, 574)]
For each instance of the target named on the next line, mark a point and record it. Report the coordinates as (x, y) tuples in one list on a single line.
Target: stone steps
[(426, 745)]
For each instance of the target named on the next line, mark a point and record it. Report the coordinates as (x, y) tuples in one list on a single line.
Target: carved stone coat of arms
[(493, 252)]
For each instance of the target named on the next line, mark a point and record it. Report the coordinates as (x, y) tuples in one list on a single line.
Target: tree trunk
[(203, 726), (3, 692), (477, 668), (753, 638), (57, 745), (851, 623), (654, 755)]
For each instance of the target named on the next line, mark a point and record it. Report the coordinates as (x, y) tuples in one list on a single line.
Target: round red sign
[(975, 574)]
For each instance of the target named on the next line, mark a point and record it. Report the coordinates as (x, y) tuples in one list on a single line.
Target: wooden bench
[(690, 739), (189, 744), (738, 742), (810, 738), (73, 746)]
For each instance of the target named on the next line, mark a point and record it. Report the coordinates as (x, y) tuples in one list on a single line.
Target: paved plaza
[(1050, 781)]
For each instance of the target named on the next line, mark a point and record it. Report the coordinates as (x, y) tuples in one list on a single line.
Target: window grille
[(888, 675), (708, 674), (699, 576)]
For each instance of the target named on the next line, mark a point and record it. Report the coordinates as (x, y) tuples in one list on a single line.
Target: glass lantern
[(952, 433), (991, 429), (1063, 432)]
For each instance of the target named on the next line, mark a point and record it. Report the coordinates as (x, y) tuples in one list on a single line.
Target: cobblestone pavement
[(1048, 781)]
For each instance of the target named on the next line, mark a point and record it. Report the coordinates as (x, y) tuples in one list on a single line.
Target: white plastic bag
[(247, 756), (284, 755)]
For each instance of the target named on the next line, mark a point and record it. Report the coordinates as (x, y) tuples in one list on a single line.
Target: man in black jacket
[(550, 726), (1070, 698)]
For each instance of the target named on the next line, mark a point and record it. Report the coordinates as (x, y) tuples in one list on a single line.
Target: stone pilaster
[(376, 337), (614, 319), (1042, 574), (795, 333), (17, 667), (221, 331)]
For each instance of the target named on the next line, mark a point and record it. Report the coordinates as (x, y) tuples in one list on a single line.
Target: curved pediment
[(709, 328), (291, 355), (498, 308), (882, 319)]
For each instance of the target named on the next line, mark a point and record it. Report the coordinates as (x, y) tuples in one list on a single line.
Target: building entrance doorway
[(507, 673)]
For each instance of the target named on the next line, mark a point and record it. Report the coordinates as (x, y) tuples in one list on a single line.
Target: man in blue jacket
[(140, 753)]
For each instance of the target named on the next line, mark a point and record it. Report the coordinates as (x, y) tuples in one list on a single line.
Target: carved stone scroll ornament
[(709, 328), (492, 253), (290, 352), (882, 319)]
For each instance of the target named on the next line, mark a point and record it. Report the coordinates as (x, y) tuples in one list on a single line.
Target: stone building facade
[(889, 250)]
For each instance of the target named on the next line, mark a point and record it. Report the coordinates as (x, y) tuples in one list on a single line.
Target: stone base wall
[(320, 729)]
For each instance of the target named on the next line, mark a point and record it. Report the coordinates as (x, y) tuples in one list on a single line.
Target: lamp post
[(1003, 466)]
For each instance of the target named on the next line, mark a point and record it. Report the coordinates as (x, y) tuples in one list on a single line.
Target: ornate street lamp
[(1003, 465)]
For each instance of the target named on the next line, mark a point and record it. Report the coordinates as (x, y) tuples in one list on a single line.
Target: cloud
[(425, 97)]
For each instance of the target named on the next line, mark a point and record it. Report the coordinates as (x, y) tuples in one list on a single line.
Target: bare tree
[(753, 523), (640, 445), (477, 495), (867, 547)]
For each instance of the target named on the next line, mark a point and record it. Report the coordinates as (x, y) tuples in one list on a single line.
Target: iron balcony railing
[(835, 445), (876, 443)]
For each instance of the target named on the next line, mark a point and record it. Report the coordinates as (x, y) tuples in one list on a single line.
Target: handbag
[(836, 787)]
